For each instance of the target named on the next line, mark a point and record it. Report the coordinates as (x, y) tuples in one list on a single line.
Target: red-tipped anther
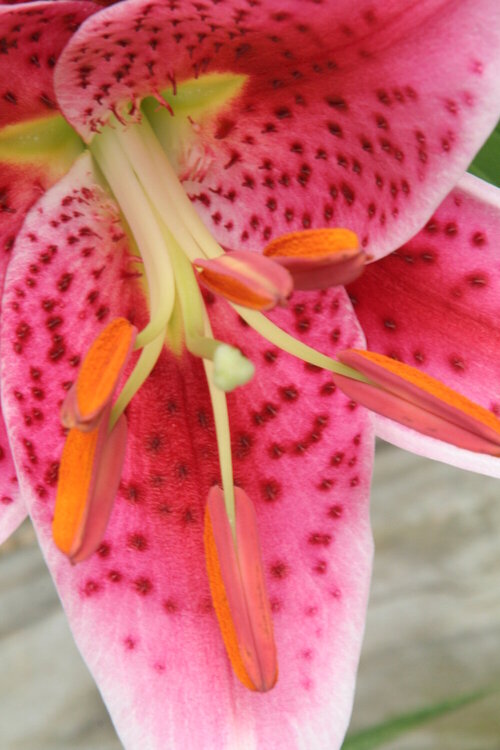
[(247, 279), (99, 375), (235, 572), (419, 401), (319, 258)]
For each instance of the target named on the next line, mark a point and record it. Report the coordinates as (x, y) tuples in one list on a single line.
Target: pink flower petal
[(32, 36), (140, 608), (12, 507), (31, 39), (361, 116), (434, 305)]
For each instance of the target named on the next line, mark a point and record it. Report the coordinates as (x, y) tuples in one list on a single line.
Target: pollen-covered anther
[(235, 572), (246, 278), (99, 375), (89, 475), (419, 401), (319, 258)]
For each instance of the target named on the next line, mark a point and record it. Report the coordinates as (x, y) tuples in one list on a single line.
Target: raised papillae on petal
[(319, 258), (247, 279), (235, 571), (89, 475), (99, 375), (420, 401)]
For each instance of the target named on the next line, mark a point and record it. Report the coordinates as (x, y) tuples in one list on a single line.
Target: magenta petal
[(32, 37), (367, 126), (140, 607), (434, 305), (12, 507)]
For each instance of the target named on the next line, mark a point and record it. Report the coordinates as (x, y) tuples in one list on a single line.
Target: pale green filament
[(149, 157), (288, 343), (147, 234), (137, 377), (222, 431), (135, 140), (231, 369)]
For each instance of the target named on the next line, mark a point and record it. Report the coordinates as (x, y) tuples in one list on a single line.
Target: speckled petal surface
[(366, 126), (434, 304), (140, 608), (31, 38)]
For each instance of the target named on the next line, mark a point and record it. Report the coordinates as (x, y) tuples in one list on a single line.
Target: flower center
[(172, 242), (171, 238)]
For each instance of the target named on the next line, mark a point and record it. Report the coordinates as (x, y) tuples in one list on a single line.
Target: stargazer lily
[(254, 150)]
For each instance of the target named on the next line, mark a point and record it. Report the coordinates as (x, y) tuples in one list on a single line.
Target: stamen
[(165, 191), (98, 375), (195, 321), (319, 258), (236, 577), (247, 279), (413, 398), (283, 340), (223, 436), (147, 233), (89, 475)]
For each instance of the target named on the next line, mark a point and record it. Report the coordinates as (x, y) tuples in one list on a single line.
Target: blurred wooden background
[(433, 627)]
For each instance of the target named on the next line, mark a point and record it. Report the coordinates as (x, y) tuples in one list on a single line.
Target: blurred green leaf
[(379, 735), (486, 165)]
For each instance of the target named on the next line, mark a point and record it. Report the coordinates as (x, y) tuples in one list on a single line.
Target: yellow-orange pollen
[(97, 380), (434, 387), (314, 244)]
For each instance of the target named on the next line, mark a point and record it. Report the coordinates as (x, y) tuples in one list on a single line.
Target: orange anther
[(89, 475), (76, 473), (221, 605), (99, 375), (235, 573), (412, 397), (319, 258), (247, 279), (314, 244)]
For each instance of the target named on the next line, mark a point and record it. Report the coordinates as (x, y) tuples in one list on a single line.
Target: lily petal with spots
[(36, 149), (434, 305), (272, 126), (140, 608), (367, 126)]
